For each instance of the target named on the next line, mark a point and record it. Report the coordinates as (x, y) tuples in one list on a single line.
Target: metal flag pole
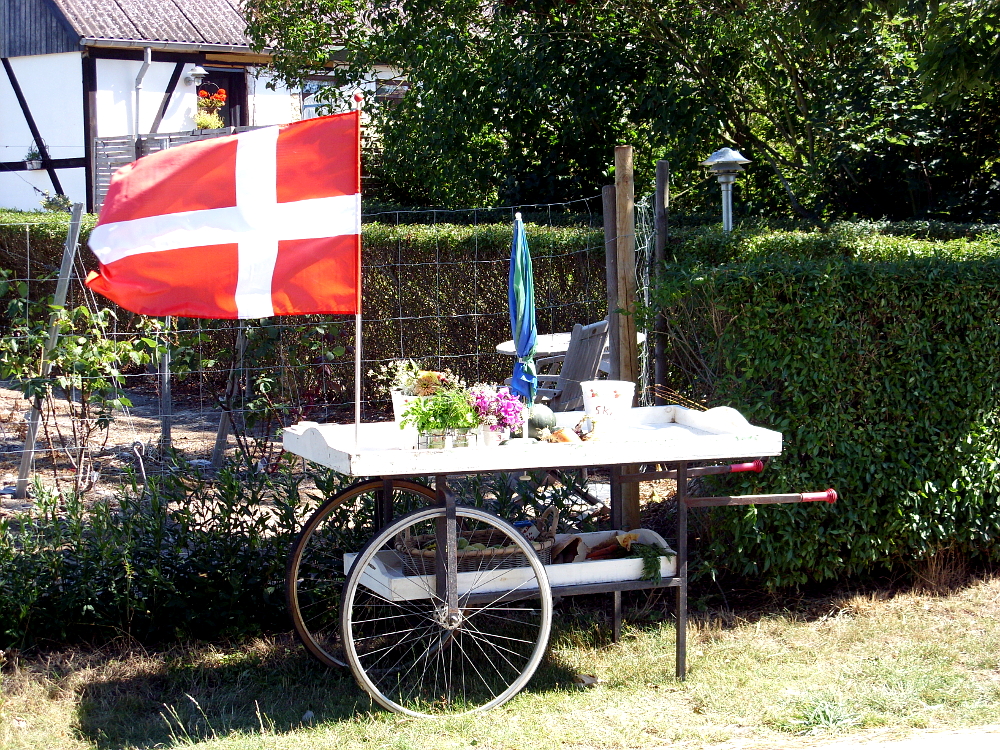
[(358, 99)]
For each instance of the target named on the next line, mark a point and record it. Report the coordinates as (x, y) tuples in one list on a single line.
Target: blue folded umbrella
[(521, 294)]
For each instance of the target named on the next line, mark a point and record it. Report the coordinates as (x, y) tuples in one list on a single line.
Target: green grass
[(856, 664)]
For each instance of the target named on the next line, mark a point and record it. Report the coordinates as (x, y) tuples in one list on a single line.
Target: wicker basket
[(419, 562)]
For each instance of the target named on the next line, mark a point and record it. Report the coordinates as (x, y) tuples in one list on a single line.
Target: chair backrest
[(583, 358)]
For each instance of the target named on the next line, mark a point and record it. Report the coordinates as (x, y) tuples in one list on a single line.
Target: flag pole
[(358, 99), (357, 378)]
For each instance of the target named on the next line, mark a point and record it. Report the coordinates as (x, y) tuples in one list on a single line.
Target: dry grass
[(854, 665)]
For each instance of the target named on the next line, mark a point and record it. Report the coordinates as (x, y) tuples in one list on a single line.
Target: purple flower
[(497, 408)]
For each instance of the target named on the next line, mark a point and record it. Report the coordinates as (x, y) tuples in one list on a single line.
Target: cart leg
[(616, 618), (616, 498), (682, 571), (446, 566), (383, 506)]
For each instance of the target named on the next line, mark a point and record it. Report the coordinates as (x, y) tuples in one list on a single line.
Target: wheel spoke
[(431, 669)]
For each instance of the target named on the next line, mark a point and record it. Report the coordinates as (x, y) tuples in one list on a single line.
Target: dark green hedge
[(882, 376)]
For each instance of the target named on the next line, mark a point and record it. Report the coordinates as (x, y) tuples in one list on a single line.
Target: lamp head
[(195, 76), (725, 161)]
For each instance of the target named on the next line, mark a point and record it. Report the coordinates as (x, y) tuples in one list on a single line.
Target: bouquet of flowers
[(497, 408), (406, 377)]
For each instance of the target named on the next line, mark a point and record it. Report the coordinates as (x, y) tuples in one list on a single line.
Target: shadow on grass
[(206, 691)]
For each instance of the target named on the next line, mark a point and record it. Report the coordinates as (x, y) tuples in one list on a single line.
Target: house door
[(234, 83)]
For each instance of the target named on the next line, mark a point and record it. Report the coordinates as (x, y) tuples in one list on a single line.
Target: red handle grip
[(829, 496), (757, 466)]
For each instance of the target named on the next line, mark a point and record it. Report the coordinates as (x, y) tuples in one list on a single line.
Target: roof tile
[(193, 21)]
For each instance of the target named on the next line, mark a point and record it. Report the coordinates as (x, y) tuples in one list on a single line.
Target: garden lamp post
[(725, 164)]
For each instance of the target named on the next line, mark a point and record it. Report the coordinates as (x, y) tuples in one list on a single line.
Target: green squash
[(540, 418)]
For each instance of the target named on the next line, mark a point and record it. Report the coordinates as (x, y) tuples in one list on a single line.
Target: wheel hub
[(448, 618)]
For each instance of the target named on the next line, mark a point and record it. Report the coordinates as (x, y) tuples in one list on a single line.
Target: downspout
[(147, 58)]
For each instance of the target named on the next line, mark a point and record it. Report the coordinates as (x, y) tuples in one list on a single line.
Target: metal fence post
[(59, 300), (659, 258), (232, 386), (166, 404)]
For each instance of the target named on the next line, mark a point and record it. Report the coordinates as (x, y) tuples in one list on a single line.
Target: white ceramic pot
[(607, 401), (408, 434), (491, 438)]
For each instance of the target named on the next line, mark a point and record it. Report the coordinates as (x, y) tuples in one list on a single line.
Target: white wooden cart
[(460, 630)]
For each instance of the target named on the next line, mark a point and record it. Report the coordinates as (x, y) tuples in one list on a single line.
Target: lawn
[(786, 675)]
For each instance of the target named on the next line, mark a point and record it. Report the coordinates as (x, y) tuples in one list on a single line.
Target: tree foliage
[(869, 108)]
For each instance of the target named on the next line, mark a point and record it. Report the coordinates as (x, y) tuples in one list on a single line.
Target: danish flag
[(266, 222)]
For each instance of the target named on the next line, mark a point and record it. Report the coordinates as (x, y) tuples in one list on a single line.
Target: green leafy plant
[(56, 203), (208, 120), (86, 371), (445, 410)]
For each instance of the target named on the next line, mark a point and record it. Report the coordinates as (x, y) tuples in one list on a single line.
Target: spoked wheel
[(314, 578), (417, 655)]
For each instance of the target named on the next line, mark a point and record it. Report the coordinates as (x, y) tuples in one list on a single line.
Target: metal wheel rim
[(307, 635), (526, 670)]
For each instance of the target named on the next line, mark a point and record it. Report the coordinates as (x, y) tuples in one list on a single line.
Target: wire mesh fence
[(434, 289)]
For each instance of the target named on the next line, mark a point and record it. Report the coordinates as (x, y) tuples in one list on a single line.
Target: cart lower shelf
[(387, 578)]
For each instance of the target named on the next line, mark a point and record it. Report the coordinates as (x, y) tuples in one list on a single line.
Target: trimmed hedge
[(441, 289), (882, 376)]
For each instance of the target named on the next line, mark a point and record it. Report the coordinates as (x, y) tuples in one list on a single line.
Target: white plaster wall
[(267, 107), (53, 88), (116, 98), (16, 188)]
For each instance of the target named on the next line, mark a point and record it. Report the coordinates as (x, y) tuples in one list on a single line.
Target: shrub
[(191, 556), (881, 375)]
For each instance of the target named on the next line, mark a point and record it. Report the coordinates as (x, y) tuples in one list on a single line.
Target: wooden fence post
[(628, 355), (611, 271), (624, 322)]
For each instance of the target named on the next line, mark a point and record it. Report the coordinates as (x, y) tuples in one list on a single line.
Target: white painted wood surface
[(648, 434), (385, 575)]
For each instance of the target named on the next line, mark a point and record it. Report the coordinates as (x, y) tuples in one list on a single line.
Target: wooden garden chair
[(559, 377)]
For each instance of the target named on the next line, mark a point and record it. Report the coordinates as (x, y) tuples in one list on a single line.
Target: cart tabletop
[(651, 434)]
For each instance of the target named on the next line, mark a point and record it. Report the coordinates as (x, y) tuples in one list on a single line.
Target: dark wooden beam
[(175, 76), (89, 122), (26, 111), (71, 163), (117, 53)]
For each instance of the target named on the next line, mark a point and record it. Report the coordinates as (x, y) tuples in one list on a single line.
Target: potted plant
[(405, 381), (446, 419), (498, 411), (33, 159)]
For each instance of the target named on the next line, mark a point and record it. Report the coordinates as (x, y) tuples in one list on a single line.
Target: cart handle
[(829, 496), (696, 471)]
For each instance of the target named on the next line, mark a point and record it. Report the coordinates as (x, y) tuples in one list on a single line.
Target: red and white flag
[(267, 222)]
